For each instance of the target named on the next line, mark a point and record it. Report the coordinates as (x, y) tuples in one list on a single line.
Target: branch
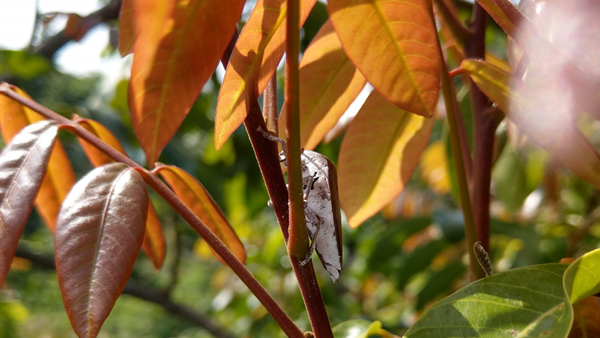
[(284, 321), (144, 292), (50, 46)]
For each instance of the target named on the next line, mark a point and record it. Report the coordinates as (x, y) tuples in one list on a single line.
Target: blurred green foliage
[(394, 266)]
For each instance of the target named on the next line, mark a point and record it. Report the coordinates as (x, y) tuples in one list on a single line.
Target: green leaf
[(523, 302), (582, 278), (23, 64), (357, 328)]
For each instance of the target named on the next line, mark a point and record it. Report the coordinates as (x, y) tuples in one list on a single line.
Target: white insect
[(322, 208)]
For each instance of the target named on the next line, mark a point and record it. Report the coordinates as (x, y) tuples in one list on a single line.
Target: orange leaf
[(176, 52), (154, 239), (97, 157), (378, 155), (329, 83), (394, 45), (59, 176), (253, 62), (551, 127), (195, 196), (127, 31)]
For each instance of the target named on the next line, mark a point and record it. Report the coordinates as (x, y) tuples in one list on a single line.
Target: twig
[(284, 321), (109, 12), (270, 105), (142, 291)]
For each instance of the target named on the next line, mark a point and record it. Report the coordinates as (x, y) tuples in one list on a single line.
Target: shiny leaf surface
[(329, 83), (253, 62), (154, 241), (176, 51), (195, 196), (357, 328), (59, 176), (378, 155), (554, 130), (22, 167), (99, 234), (394, 45), (507, 304)]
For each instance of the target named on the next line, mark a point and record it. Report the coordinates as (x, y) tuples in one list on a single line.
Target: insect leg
[(311, 249)]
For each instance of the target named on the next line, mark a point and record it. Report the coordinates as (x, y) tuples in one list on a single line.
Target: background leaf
[(98, 238), (394, 45), (177, 50), (378, 155), (357, 328), (22, 167), (554, 131), (127, 30), (195, 196), (329, 83), (253, 62), (59, 175)]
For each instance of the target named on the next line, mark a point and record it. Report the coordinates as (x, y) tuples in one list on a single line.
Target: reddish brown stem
[(485, 127), (270, 105), (238, 267)]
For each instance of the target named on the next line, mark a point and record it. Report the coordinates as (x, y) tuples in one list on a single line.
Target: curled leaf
[(195, 196), (22, 167), (99, 234), (253, 62), (329, 83)]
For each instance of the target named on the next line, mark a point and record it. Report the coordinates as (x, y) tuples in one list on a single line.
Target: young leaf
[(253, 62), (507, 304), (22, 167), (154, 244), (394, 45), (99, 233), (357, 328), (329, 83), (176, 52), (195, 196), (581, 278), (97, 157), (552, 128), (154, 241), (506, 15), (59, 176), (127, 30), (378, 155)]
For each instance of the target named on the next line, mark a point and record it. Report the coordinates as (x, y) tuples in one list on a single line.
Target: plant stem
[(270, 105), (485, 126), (298, 243), (270, 167), (284, 321), (463, 187)]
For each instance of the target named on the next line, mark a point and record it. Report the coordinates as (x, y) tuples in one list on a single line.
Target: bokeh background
[(395, 265)]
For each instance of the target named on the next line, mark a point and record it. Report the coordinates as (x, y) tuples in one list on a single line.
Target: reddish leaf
[(506, 15), (97, 157), (586, 318), (176, 52), (22, 166), (127, 31), (394, 45), (195, 196), (329, 83), (253, 62), (154, 241), (378, 155), (60, 176), (99, 233), (550, 126)]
